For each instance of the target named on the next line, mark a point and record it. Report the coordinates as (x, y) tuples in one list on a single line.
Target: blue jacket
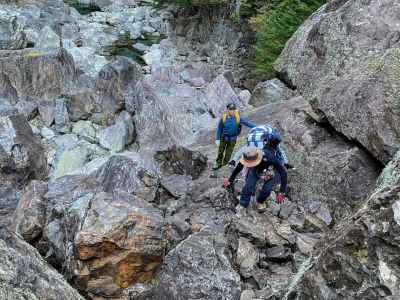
[(230, 130)]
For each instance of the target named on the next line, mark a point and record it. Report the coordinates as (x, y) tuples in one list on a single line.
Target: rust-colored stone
[(196, 227), (136, 268), (103, 249)]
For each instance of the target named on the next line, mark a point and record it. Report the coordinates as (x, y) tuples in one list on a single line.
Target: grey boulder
[(25, 275), (350, 76), (22, 150), (38, 73), (114, 86), (30, 215), (12, 36), (357, 258), (270, 91), (198, 268)]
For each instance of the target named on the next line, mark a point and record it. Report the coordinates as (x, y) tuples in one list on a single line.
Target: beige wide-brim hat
[(251, 157)]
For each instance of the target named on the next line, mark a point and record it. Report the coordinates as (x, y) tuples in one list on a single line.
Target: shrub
[(277, 26)]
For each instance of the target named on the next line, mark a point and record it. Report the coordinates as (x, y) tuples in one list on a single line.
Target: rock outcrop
[(198, 268), (22, 158), (12, 36), (114, 86), (21, 151), (358, 258), (171, 112), (30, 215), (38, 73), (105, 237), (344, 60), (270, 91), (25, 275)]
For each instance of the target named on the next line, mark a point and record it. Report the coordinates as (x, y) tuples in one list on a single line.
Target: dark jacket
[(269, 159), (230, 129)]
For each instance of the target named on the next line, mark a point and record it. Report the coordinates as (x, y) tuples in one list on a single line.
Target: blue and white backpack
[(257, 135)]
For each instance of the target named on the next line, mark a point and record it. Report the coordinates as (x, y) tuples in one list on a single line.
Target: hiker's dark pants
[(225, 151), (249, 188)]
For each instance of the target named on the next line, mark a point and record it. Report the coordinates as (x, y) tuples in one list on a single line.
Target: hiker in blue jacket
[(229, 128)]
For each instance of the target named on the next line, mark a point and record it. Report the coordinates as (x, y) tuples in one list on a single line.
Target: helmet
[(231, 106)]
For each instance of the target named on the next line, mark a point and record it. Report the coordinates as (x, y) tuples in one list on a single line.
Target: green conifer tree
[(278, 26)]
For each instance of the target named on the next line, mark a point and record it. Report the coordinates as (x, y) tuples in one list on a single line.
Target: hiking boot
[(241, 211), (261, 207)]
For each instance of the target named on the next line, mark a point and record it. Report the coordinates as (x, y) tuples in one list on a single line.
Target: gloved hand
[(232, 163), (227, 183), (289, 166), (280, 198), (217, 142)]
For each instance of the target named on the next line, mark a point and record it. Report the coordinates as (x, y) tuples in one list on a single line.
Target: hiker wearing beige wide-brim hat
[(257, 161), (251, 157)]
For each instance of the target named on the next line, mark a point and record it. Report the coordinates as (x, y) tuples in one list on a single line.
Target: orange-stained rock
[(196, 227), (121, 242)]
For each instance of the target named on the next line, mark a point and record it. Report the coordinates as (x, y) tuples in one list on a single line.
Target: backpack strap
[(224, 116), (237, 117)]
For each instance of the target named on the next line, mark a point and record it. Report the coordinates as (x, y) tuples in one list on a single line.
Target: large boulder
[(39, 73), (69, 160), (270, 91), (358, 259), (22, 158), (182, 161), (9, 194), (114, 86), (159, 121), (48, 38), (128, 173), (198, 268), (119, 135), (25, 275), (120, 243), (12, 36), (80, 105), (344, 59), (219, 93), (118, 237), (170, 112), (68, 153), (23, 152), (100, 226), (30, 215)]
